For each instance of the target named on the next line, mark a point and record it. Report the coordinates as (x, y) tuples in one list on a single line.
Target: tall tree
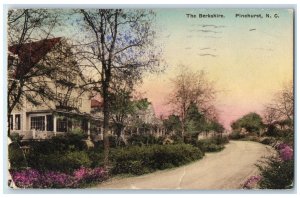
[(117, 41), (192, 88)]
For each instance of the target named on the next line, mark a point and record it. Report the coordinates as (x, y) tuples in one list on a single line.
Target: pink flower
[(252, 182), (286, 153), (32, 178)]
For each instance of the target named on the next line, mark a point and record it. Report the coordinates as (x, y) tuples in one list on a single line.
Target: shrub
[(144, 140), (208, 145), (278, 172), (97, 157), (268, 140), (235, 135), (177, 139), (16, 137), (65, 162), (213, 144), (16, 156), (139, 160)]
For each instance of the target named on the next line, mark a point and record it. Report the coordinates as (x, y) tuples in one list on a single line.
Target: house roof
[(96, 103), (31, 53)]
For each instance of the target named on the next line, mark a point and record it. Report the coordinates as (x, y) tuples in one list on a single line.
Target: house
[(143, 121), (68, 111)]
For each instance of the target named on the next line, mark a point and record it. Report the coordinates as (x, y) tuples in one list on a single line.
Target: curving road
[(227, 169)]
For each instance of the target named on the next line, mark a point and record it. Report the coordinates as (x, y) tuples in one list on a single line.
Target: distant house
[(70, 109), (143, 121)]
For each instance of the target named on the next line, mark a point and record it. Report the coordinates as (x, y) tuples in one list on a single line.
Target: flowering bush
[(252, 182), (88, 175), (32, 178), (26, 178), (286, 153), (278, 172)]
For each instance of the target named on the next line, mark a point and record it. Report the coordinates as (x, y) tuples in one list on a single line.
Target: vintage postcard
[(190, 99)]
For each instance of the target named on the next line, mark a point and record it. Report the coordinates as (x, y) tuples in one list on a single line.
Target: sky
[(248, 59)]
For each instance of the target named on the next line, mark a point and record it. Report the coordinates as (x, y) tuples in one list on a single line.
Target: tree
[(24, 26), (125, 107), (192, 88), (195, 121), (116, 41), (282, 106), (251, 122), (172, 123), (280, 111)]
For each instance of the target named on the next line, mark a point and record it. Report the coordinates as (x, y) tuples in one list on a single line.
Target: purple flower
[(252, 182), (52, 179), (281, 146), (90, 175), (28, 178), (32, 178), (286, 153)]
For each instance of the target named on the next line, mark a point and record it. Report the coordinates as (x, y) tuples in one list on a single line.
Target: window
[(84, 125), (18, 122), (61, 125), (37, 123), (11, 122), (49, 123)]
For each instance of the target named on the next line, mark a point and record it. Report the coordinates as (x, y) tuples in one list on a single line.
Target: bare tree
[(192, 88), (116, 41), (282, 106)]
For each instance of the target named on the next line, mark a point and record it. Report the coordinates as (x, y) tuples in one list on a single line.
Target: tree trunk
[(105, 124)]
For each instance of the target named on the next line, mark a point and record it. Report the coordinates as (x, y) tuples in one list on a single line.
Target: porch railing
[(34, 134)]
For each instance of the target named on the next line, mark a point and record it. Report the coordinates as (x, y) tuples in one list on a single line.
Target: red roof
[(96, 103), (31, 53)]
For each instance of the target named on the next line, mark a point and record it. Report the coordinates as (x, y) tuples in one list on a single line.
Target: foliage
[(267, 140), (278, 172), (139, 160), (16, 137), (194, 120), (252, 122), (31, 178), (64, 143), (16, 156), (172, 124), (65, 162), (212, 144), (235, 135), (141, 140)]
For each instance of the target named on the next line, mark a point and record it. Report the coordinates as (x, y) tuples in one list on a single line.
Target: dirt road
[(227, 169)]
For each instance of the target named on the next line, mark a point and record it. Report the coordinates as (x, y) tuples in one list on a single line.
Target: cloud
[(212, 55)]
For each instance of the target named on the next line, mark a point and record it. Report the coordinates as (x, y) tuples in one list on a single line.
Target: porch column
[(101, 133), (54, 125), (89, 130)]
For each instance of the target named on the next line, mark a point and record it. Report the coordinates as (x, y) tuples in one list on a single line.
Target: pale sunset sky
[(249, 59)]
